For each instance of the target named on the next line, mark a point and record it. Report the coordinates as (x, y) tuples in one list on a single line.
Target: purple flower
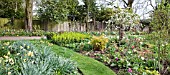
[(130, 70), (117, 59)]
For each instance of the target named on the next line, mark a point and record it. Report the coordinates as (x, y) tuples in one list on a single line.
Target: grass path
[(86, 64)]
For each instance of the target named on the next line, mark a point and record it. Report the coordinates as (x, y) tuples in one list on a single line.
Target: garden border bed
[(22, 37)]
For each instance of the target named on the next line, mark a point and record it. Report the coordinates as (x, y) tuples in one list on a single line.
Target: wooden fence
[(77, 26)]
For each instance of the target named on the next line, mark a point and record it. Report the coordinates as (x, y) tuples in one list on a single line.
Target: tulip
[(130, 70)]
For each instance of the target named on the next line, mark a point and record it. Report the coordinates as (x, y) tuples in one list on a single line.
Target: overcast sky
[(140, 7)]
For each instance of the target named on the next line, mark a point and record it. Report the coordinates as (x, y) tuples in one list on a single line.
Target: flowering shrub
[(24, 58), (124, 17), (99, 43)]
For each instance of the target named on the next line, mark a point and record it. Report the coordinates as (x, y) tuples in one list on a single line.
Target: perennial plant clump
[(23, 58)]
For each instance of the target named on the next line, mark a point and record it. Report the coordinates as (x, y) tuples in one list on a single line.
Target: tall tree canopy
[(11, 8)]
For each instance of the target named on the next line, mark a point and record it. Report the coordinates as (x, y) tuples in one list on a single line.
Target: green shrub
[(84, 47), (69, 37), (21, 32), (99, 43), (49, 35)]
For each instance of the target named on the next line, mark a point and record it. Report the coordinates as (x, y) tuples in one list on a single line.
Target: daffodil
[(18, 53), (11, 61), (9, 73), (24, 44), (24, 60), (28, 47), (30, 53), (6, 57), (8, 53), (142, 58), (21, 47)]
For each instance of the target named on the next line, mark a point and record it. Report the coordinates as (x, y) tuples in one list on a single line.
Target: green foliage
[(49, 35), (69, 37), (84, 47), (24, 58), (21, 32), (104, 14), (160, 25), (53, 10), (99, 43), (10, 8)]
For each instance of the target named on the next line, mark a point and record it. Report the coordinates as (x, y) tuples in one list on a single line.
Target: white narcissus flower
[(21, 47), (30, 53), (89, 42), (7, 43), (6, 57), (11, 61), (141, 42), (8, 53), (1, 59), (9, 73), (28, 47), (163, 45), (24, 44), (32, 62), (18, 53), (25, 60), (142, 58)]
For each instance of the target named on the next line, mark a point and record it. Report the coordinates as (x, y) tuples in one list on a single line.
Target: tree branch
[(125, 2)]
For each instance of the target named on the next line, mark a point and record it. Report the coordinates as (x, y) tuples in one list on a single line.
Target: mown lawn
[(87, 65)]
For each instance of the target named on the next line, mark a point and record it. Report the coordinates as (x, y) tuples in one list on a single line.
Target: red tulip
[(133, 47)]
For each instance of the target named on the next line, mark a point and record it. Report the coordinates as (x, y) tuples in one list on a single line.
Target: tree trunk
[(46, 25), (28, 12), (94, 23), (121, 32)]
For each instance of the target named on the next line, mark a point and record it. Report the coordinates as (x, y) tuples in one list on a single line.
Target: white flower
[(32, 62), (142, 58), (89, 42), (24, 45), (163, 45), (9, 46), (30, 53), (6, 57), (0, 59), (141, 42), (8, 53), (117, 37), (11, 61), (25, 60), (9, 73), (28, 47), (135, 50), (18, 53), (21, 47), (166, 43), (5, 44)]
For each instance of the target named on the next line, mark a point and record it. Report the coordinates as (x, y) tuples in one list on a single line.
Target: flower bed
[(23, 57), (133, 55)]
